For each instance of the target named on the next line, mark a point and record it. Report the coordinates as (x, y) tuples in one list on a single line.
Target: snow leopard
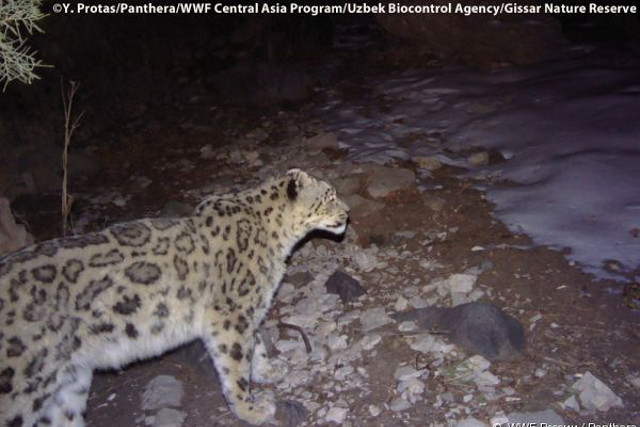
[(138, 289)]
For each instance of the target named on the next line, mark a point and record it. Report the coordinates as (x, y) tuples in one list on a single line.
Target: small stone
[(571, 403), (370, 341), (342, 373), (141, 182), (336, 415), (486, 265), (325, 329), (405, 234), (374, 410), (399, 404), (412, 386), (119, 201), (304, 320), (286, 293), (436, 204), (459, 298), (475, 295), (423, 343), (401, 304), (428, 162), (301, 278), (323, 140), (469, 422), (284, 346), (365, 261), (461, 282), (349, 317), (162, 391), (374, 318), (337, 342), (486, 379), (406, 326), (499, 419), (404, 373), (410, 291), (535, 318), (417, 302), (634, 380), (469, 369), (480, 158), (257, 134), (251, 157), (168, 417), (539, 373), (548, 417), (345, 286), (594, 394)]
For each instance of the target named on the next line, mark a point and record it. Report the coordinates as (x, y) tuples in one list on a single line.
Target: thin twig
[(70, 126), (307, 344)]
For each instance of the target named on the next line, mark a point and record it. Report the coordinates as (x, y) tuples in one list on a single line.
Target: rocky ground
[(420, 236)]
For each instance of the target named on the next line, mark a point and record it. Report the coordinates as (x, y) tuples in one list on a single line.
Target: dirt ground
[(585, 325), (593, 329)]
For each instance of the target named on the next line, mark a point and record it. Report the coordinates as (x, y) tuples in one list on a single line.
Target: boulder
[(478, 328), (13, 236)]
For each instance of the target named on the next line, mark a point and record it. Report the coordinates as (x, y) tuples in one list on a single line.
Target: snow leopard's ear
[(294, 172), (298, 180), (294, 184)]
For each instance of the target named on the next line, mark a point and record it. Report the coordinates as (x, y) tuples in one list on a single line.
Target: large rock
[(13, 236), (349, 185), (347, 287), (477, 328), (594, 394), (384, 180), (478, 39), (264, 84), (361, 207)]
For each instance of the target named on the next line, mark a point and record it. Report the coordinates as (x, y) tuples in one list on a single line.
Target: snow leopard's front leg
[(230, 343), (263, 369)]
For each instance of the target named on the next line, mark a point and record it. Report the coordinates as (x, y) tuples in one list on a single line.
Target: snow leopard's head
[(316, 205)]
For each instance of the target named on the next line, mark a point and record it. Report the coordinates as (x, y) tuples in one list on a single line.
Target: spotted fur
[(138, 289)]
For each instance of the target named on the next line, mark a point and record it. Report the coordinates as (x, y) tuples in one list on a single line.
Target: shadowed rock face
[(13, 236), (478, 39), (478, 328)]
